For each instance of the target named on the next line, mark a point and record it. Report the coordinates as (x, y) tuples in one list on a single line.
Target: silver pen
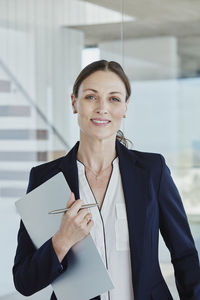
[(61, 210)]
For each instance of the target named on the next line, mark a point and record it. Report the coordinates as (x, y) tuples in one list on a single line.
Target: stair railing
[(33, 104)]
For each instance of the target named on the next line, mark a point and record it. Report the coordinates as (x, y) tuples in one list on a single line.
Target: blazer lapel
[(135, 187), (69, 168)]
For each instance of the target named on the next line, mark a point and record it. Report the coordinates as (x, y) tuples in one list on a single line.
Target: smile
[(100, 122)]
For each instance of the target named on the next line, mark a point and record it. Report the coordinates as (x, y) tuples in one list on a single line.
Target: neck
[(97, 155)]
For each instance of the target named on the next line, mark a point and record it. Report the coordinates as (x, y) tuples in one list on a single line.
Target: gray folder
[(86, 275)]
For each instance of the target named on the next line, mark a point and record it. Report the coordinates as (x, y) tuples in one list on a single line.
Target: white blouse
[(110, 232)]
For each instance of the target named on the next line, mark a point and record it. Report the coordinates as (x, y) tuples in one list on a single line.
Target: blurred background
[(43, 46)]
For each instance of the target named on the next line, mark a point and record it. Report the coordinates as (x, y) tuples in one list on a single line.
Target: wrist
[(61, 247)]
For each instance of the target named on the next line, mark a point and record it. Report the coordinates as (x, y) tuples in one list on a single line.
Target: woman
[(136, 197)]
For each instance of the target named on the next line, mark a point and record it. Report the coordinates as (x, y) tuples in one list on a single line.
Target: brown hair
[(105, 65)]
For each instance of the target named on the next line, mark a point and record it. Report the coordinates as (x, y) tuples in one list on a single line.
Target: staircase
[(22, 146)]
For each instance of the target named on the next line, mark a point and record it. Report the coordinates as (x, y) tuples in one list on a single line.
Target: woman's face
[(100, 105)]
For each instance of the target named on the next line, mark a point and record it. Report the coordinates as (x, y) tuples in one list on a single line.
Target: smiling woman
[(113, 87), (101, 108), (136, 198)]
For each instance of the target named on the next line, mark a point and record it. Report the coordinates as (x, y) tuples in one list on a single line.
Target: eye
[(115, 99), (90, 97)]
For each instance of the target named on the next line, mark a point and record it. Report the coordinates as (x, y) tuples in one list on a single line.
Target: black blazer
[(152, 202)]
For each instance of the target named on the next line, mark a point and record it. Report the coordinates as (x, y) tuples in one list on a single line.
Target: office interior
[(43, 46)]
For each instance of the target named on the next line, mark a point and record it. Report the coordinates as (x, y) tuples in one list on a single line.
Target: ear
[(73, 99)]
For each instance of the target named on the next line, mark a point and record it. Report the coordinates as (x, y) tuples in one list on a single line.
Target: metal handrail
[(33, 104)]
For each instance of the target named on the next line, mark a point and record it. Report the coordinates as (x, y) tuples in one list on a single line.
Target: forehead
[(103, 81)]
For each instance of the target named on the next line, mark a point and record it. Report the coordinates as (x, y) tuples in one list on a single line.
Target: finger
[(83, 216), (82, 212), (75, 207), (90, 224), (88, 218), (71, 200)]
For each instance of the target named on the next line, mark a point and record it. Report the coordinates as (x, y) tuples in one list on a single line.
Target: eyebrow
[(95, 91), (90, 90)]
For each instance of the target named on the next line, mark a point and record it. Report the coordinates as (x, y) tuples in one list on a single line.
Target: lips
[(100, 122)]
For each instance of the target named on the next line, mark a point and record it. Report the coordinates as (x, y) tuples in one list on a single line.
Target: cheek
[(84, 112), (119, 113)]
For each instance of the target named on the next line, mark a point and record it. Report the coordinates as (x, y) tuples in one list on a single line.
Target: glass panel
[(161, 57), (44, 45)]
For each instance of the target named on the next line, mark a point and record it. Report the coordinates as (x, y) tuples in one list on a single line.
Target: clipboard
[(86, 276)]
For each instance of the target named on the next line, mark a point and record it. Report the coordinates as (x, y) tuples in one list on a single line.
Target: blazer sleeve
[(34, 269), (175, 230)]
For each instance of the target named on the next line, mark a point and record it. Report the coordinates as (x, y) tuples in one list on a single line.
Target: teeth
[(100, 122)]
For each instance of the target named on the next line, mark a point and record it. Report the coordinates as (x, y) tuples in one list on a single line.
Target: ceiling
[(157, 17), (112, 20), (153, 18)]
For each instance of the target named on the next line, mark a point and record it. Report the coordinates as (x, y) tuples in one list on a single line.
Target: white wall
[(17, 53), (44, 56), (151, 121), (163, 116), (58, 61)]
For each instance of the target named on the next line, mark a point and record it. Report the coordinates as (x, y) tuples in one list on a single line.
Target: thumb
[(71, 200)]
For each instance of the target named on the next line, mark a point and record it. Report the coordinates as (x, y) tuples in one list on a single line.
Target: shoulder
[(41, 173), (153, 163), (147, 159), (144, 160), (50, 166)]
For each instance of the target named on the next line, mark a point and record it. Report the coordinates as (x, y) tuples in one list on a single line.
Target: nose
[(102, 106)]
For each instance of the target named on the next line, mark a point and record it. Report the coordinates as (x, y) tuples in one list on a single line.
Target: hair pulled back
[(104, 65)]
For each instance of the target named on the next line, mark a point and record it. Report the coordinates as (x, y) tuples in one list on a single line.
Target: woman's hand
[(75, 225)]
